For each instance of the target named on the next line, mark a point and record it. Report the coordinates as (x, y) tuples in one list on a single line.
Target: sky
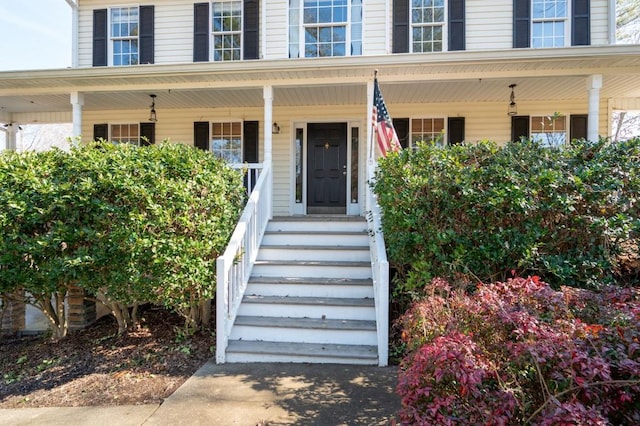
[(35, 34)]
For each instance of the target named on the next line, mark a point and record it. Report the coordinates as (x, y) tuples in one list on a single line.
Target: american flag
[(382, 125)]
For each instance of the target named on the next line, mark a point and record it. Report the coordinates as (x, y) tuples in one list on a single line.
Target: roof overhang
[(468, 76)]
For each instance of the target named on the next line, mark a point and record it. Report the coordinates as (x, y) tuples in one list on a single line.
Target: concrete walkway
[(249, 394)]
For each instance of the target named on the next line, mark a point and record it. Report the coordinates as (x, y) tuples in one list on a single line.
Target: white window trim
[(434, 117), (445, 30), (212, 33), (111, 38), (566, 126), (567, 26), (227, 120), (301, 31), (122, 123)]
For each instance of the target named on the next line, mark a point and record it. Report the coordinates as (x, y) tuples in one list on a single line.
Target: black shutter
[(201, 135), (146, 35), (147, 134), (578, 126), (251, 34), (251, 137), (455, 130), (521, 23), (400, 26), (519, 127), (100, 131), (401, 125), (456, 25), (201, 32), (580, 23), (100, 38)]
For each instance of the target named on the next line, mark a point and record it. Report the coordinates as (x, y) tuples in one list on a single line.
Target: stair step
[(263, 351), (304, 330), (320, 238), (307, 323), (325, 269), (318, 301), (313, 307), (314, 253), (310, 287), (315, 223)]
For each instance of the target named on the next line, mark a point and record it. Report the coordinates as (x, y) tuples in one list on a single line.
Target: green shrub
[(127, 224), (482, 213)]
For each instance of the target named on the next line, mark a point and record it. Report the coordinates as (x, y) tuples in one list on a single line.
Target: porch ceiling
[(544, 74)]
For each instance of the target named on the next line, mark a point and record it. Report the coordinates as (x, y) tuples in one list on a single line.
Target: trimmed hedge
[(127, 224), (482, 213)]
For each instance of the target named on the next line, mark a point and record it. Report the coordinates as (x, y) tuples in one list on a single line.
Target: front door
[(327, 168)]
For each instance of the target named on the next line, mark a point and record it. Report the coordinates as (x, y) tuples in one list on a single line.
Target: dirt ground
[(96, 367)]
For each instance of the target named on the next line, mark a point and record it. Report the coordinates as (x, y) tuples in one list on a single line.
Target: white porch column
[(12, 136), (594, 84), (268, 141), (77, 101), (368, 134)]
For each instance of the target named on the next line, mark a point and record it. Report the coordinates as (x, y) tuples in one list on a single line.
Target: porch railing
[(380, 266), (233, 268)]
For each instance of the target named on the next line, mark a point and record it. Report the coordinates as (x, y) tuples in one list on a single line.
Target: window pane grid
[(124, 35), (549, 130), (226, 141), (549, 23), (227, 30), (427, 22), (125, 133), (429, 130)]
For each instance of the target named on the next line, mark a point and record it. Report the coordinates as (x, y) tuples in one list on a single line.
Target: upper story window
[(124, 35), (427, 25), (549, 23), (321, 28), (227, 30), (549, 130), (226, 141)]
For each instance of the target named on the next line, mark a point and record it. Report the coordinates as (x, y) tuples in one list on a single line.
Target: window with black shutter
[(519, 127), (400, 26), (455, 130), (581, 23), (100, 131), (100, 38), (251, 34), (201, 135), (147, 134), (578, 126), (521, 23), (146, 37), (456, 25), (201, 32), (401, 125)]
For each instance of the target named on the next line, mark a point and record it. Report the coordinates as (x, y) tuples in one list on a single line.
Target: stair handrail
[(380, 272), (233, 267)]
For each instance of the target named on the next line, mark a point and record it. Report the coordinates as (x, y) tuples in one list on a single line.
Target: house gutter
[(74, 32)]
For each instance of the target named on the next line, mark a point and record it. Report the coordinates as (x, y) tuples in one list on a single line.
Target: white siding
[(599, 22), (483, 121), (277, 29), (376, 26), (489, 24)]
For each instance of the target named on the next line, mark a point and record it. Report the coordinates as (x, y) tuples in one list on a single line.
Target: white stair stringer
[(310, 295)]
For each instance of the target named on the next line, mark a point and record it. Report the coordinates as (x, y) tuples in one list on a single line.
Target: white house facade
[(286, 85)]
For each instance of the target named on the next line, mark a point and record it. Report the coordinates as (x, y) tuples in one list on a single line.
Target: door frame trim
[(352, 209)]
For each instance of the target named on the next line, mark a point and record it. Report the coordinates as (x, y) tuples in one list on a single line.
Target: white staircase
[(310, 296)]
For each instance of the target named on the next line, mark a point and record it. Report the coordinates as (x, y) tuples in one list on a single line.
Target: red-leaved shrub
[(520, 352)]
